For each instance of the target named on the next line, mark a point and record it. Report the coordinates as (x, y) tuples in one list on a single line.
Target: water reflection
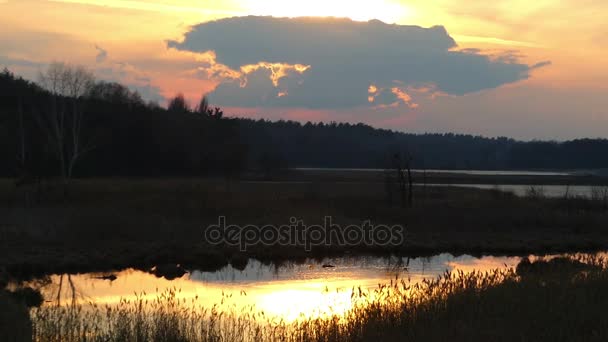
[(551, 191), (285, 292)]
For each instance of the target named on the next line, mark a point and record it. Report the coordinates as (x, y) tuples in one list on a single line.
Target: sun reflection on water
[(284, 293)]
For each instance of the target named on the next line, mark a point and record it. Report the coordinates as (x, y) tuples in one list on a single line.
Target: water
[(467, 172), (551, 191), (285, 292)]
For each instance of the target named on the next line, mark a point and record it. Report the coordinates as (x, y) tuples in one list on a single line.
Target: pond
[(287, 292)]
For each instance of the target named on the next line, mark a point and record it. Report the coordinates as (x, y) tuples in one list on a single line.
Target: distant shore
[(582, 177), (109, 224)]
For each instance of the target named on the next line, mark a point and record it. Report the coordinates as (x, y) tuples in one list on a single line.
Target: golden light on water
[(308, 300), (280, 299), (300, 291), (486, 264)]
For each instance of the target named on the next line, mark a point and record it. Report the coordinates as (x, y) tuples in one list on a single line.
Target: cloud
[(540, 64), (8, 61), (529, 111), (128, 74), (102, 54), (493, 40), (27, 65), (331, 62), (389, 97)]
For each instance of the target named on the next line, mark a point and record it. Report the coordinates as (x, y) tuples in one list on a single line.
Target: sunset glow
[(297, 292), (361, 10), (133, 35), (251, 170)]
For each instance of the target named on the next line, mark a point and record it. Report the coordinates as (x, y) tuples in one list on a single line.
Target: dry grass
[(113, 223), (558, 300)]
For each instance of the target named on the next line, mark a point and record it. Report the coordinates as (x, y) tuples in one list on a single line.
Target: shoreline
[(33, 270)]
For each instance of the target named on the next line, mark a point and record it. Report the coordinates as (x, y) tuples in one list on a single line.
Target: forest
[(68, 124)]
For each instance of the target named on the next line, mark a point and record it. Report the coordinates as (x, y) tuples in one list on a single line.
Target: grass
[(563, 299), (111, 224), (15, 324)]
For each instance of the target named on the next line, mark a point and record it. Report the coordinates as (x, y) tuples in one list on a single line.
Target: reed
[(113, 224), (562, 299)]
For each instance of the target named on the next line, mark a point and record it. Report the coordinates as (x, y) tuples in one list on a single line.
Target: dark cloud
[(102, 54), (541, 64), (345, 58), (7, 61)]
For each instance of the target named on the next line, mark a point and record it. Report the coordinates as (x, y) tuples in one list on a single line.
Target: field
[(107, 224)]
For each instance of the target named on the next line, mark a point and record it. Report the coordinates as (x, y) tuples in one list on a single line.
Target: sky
[(516, 68)]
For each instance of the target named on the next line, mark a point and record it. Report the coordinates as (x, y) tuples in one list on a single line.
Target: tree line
[(70, 125)]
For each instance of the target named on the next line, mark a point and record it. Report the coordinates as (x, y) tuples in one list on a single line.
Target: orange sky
[(573, 35)]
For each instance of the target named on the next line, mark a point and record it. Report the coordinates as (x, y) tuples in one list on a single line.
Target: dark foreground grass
[(112, 224), (558, 300), (15, 324)]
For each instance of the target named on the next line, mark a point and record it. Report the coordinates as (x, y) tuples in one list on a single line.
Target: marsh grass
[(599, 194), (562, 299), (110, 224), (535, 192), (15, 324)]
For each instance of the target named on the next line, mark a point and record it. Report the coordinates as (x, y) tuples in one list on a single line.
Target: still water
[(466, 172), (550, 191), (308, 289)]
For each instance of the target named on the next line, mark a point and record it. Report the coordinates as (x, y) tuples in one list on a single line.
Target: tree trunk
[(410, 193)]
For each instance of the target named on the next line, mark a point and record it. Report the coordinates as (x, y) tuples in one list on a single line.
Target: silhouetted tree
[(203, 106), (402, 179), (19, 136), (216, 113), (142, 139), (178, 104), (205, 110), (115, 93), (63, 120)]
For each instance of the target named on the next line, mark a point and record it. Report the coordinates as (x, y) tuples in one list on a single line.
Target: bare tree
[(203, 106), (178, 104), (25, 176), (401, 165), (67, 80), (63, 121), (21, 153), (410, 180)]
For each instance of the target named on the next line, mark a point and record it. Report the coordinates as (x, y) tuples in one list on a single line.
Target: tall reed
[(557, 300)]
